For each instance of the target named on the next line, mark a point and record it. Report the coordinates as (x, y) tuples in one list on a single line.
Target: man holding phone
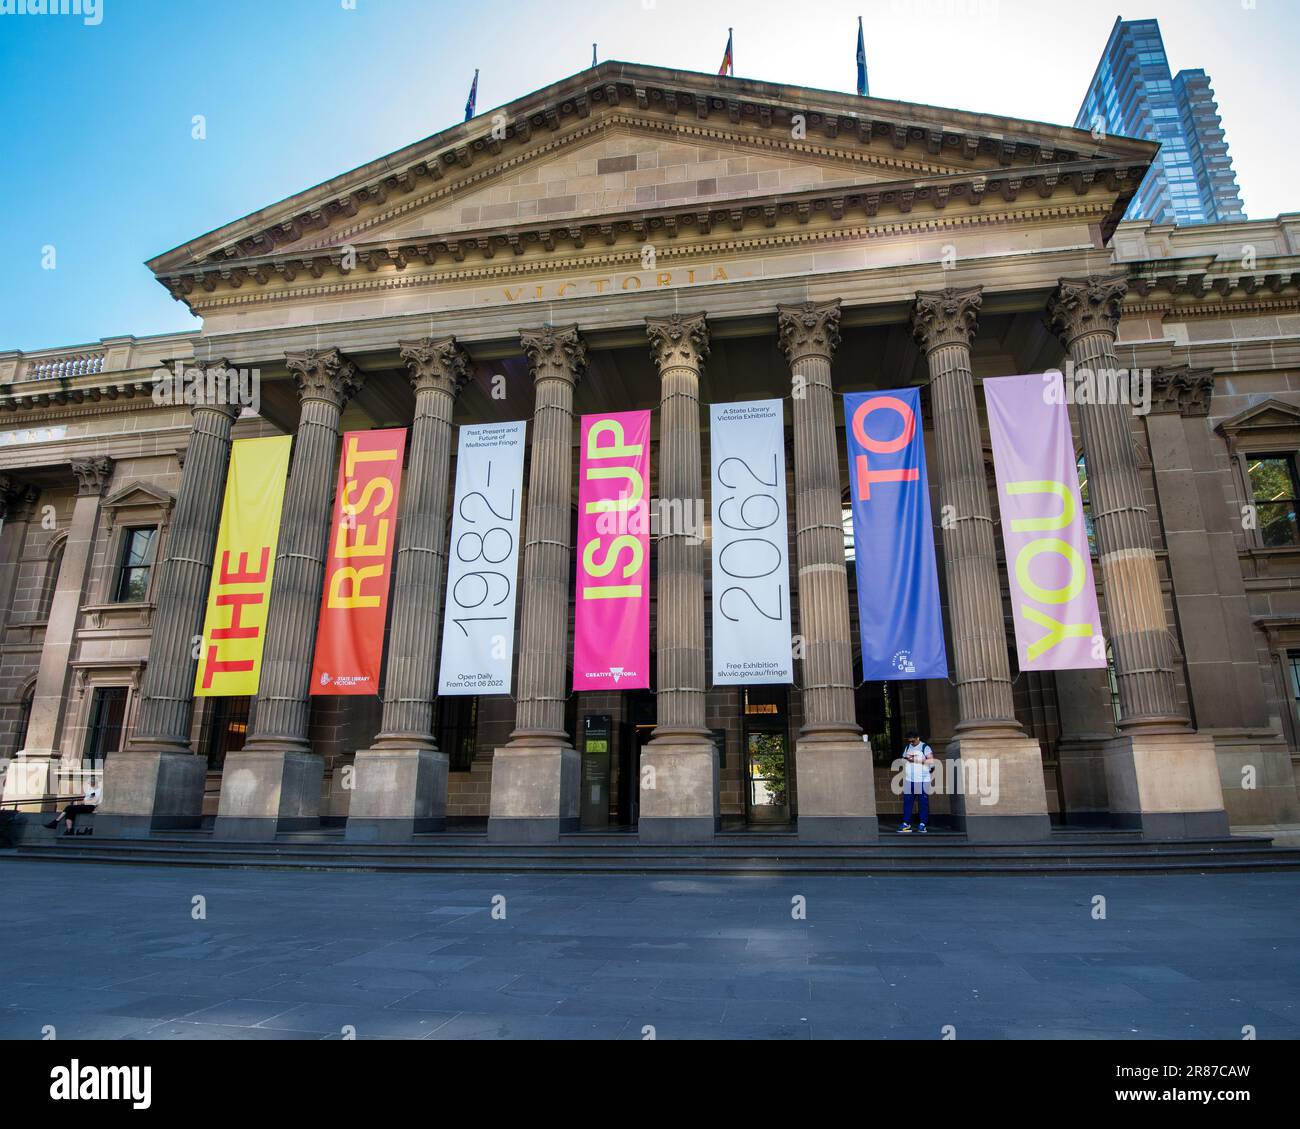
[(916, 781)]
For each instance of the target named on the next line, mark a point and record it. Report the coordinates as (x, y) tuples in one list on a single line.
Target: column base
[(1262, 759), (397, 792), (1166, 785), (151, 790), (995, 785), (268, 790), (836, 791), (534, 793), (29, 783), (679, 791)]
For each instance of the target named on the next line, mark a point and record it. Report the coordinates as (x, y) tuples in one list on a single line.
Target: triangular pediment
[(138, 495), (1270, 415), (706, 135)]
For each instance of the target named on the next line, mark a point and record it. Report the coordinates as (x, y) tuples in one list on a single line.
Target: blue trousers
[(915, 790)]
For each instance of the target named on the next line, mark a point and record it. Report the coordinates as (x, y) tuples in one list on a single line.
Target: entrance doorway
[(638, 726), (766, 748)]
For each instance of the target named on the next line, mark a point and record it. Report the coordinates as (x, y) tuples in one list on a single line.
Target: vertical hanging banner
[(234, 627), (1049, 564), (751, 539), (611, 640), (898, 583), (478, 628), (359, 568)]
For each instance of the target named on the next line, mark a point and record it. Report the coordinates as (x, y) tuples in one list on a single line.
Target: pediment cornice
[(837, 126)]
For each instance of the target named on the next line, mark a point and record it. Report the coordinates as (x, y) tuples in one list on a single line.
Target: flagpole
[(731, 46)]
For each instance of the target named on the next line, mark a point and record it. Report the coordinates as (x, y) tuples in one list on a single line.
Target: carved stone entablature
[(1270, 423), (138, 501), (93, 475), (679, 341), (1182, 390), (555, 352), (946, 317), (325, 374), (436, 362), (1090, 305), (812, 329)]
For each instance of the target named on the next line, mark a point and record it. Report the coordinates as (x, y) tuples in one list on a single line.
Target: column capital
[(437, 363), (205, 403), (17, 498), (1079, 306), (324, 374), (1182, 390), (679, 341), (946, 317), (555, 352), (92, 475), (810, 329)]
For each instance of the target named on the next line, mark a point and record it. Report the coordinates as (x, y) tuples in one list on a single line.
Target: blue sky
[(98, 160)]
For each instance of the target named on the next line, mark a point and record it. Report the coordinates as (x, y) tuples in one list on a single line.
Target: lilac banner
[(1049, 564)]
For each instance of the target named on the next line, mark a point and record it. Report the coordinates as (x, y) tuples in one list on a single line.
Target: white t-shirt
[(94, 795), (918, 772)]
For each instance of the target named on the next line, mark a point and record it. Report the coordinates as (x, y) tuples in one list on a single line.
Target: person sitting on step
[(68, 816), (916, 781)]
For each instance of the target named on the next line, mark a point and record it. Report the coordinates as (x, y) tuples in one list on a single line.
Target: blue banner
[(898, 584)]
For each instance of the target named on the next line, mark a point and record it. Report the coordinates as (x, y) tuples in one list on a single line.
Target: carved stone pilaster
[(93, 475), (324, 374), (809, 330), (946, 317), (1078, 307), (436, 363), (1183, 390), (680, 340), (555, 353)]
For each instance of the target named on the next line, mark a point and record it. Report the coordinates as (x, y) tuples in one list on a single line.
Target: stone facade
[(773, 242)]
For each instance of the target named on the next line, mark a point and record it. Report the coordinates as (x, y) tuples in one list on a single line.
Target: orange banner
[(234, 629), (358, 571)]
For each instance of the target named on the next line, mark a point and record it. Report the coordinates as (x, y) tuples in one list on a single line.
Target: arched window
[(53, 565)]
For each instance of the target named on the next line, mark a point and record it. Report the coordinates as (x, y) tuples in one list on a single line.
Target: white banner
[(751, 558), (478, 630)]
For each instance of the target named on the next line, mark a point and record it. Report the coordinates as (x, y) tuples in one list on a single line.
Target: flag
[(472, 101), (728, 62), (862, 62), (593, 54)]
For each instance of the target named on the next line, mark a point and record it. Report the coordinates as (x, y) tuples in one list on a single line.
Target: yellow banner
[(234, 629)]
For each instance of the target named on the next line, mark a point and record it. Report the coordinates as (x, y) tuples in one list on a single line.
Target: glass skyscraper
[(1134, 94)]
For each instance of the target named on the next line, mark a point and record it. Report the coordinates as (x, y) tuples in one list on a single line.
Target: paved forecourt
[(145, 952)]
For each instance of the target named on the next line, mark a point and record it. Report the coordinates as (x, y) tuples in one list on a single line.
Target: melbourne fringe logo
[(91, 11)]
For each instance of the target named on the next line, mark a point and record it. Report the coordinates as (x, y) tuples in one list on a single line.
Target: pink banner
[(1049, 563), (611, 639)]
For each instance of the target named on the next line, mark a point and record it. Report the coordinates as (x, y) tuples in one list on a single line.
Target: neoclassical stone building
[(639, 238)]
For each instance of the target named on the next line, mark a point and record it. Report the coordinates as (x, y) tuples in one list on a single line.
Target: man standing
[(916, 781)]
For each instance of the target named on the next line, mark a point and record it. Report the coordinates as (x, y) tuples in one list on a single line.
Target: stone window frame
[(54, 551), (1270, 427), (1283, 635), (90, 675), (137, 505)]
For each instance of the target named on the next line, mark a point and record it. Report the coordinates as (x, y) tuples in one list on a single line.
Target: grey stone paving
[(113, 952)]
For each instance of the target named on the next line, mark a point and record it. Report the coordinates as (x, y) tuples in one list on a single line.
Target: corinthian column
[(156, 782), (679, 767), (836, 790), (944, 325), (274, 783), (535, 777), (400, 783), (1160, 775)]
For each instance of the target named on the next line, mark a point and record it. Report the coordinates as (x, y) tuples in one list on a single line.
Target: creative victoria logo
[(902, 662)]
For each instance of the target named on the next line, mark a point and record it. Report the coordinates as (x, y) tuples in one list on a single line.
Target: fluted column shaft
[(809, 337), (679, 346), (558, 358), (181, 596), (326, 381), (1085, 315), (438, 370), (943, 324)]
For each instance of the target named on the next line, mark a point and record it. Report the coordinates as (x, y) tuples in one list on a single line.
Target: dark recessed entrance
[(766, 749)]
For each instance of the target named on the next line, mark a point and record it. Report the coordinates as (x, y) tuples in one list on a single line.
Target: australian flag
[(862, 62), (472, 101)]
